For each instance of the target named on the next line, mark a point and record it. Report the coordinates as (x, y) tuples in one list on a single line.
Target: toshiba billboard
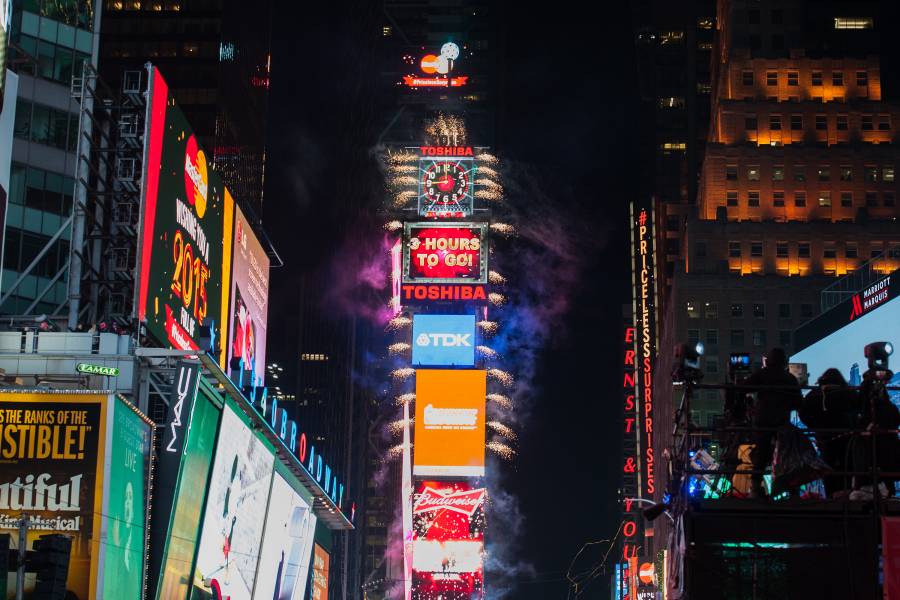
[(449, 430)]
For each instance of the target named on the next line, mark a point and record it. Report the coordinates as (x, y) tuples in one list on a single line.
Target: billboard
[(448, 540), (186, 229), (7, 126), (445, 253), (249, 301), (838, 337), (449, 423), (124, 534), (180, 531), (51, 449), (446, 186), (321, 564), (287, 545), (443, 340), (235, 512)]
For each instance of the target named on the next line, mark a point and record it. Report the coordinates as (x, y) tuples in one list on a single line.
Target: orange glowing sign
[(449, 425)]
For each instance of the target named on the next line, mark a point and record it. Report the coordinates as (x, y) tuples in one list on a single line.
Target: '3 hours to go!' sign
[(445, 253)]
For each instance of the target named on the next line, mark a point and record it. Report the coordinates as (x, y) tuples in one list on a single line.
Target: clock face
[(445, 188)]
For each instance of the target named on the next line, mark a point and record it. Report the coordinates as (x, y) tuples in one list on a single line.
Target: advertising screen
[(842, 347), (50, 449), (287, 545), (443, 340), (249, 301), (321, 563), (235, 512), (448, 540), (449, 423), (445, 253), (186, 230), (124, 511), (189, 498), (446, 186)]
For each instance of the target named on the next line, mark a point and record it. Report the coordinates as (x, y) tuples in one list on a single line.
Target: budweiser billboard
[(448, 541)]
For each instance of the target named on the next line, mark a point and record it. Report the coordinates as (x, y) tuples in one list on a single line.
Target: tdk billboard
[(443, 340)]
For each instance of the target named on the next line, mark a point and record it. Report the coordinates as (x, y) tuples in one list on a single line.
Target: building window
[(884, 122), (752, 173), (750, 123), (803, 250), (759, 310), (752, 198), (731, 198), (671, 102), (737, 310), (712, 310), (824, 198), (842, 124), (777, 42), (837, 78), (693, 336), (871, 198), (888, 198), (756, 249), (846, 199), (731, 173), (737, 338), (823, 173), (851, 250), (692, 311), (759, 337), (778, 199), (778, 173), (784, 311), (712, 336), (796, 122), (887, 173), (868, 123), (793, 78), (846, 173), (853, 22), (700, 249), (747, 78), (862, 78), (871, 174), (830, 250), (800, 173), (781, 249), (821, 123), (712, 364), (771, 78), (734, 249), (775, 122), (875, 250), (45, 125), (784, 338), (806, 311), (799, 199), (671, 37), (817, 78)]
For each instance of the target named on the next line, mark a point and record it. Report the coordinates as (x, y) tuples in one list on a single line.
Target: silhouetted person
[(772, 410), (879, 412), (833, 405)]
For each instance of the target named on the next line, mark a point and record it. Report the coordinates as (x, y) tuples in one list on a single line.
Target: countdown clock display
[(445, 187)]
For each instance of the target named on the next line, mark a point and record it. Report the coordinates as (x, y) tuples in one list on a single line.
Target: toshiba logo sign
[(443, 340)]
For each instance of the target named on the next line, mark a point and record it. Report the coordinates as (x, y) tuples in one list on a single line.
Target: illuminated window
[(793, 78), (752, 173), (775, 122), (704, 23), (871, 198), (778, 173), (734, 249), (837, 78), (884, 122), (784, 311), (846, 199), (737, 338), (888, 198), (842, 124), (671, 37), (731, 198), (784, 338), (821, 123), (387, 31), (796, 122), (868, 123), (887, 173), (671, 102), (750, 123), (759, 337), (862, 78), (799, 199), (737, 310), (871, 174), (853, 22), (692, 311), (803, 250), (747, 77), (817, 78), (800, 173), (756, 249), (704, 88), (669, 146), (851, 250), (846, 173), (824, 173), (806, 310), (704, 45), (771, 78), (712, 310), (825, 198), (731, 172), (781, 249), (759, 310), (752, 198), (778, 199)]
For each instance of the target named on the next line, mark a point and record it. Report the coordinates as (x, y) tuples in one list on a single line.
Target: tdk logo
[(443, 340)]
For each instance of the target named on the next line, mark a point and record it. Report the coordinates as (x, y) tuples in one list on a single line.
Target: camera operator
[(878, 412)]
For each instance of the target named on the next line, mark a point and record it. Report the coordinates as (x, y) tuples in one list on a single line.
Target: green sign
[(97, 370)]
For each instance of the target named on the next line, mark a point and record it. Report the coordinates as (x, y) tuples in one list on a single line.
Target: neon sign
[(443, 292), (630, 487)]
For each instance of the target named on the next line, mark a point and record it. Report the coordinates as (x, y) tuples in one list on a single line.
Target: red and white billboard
[(448, 541), (445, 253)]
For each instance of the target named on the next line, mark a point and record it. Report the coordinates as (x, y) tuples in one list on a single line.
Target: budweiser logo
[(465, 503)]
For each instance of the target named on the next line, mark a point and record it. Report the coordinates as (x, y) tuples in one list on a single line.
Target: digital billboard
[(179, 533), (445, 253), (838, 337), (287, 545), (448, 540), (449, 423), (443, 340), (249, 301), (235, 513), (321, 564), (446, 187), (51, 446), (186, 231), (124, 534)]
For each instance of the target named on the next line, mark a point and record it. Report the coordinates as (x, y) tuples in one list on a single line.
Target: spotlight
[(687, 363)]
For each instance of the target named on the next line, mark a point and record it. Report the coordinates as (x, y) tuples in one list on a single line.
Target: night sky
[(569, 106)]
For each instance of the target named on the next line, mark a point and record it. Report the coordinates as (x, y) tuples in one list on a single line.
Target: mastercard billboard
[(449, 424), (186, 230)]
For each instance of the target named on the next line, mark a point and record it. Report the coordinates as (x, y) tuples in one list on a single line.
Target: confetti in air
[(393, 225), (486, 352), (396, 158), (496, 299), (501, 429), (488, 327), (501, 450), (489, 172), (496, 278), (490, 184), (500, 400), (398, 323), (403, 374), (396, 428), (404, 180), (397, 451), (491, 195), (403, 198), (486, 157), (398, 348), (404, 169), (404, 399), (501, 376), (504, 228)]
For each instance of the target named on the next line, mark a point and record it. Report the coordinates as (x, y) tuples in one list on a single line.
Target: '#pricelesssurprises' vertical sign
[(443, 340)]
